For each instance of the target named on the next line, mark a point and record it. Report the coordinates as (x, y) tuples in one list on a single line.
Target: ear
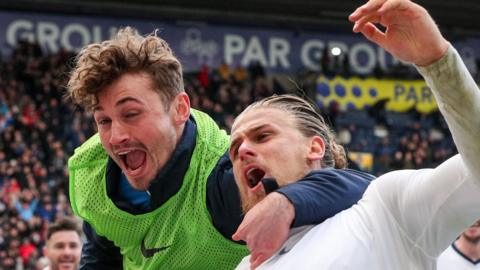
[(317, 149), (181, 107), (45, 251)]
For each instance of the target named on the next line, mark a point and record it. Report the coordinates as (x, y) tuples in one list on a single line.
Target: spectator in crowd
[(464, 253), (27, 205), (240, 74), (204, 76), (32, 177), (64, 245), (224, 72)]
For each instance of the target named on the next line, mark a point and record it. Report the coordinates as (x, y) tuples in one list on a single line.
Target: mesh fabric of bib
[(177, 235)]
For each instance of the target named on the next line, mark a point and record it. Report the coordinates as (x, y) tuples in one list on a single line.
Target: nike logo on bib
[(149, 252)]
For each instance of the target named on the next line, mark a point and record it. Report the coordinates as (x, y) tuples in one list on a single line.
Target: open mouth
[(254, 176), (66, 264), (132, 159)]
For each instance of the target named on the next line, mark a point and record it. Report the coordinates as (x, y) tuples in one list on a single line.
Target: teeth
[(123, 153)]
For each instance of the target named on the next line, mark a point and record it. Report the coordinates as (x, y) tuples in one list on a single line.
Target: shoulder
[(90, 151), (209, 134), (449, 259), (340, 175)]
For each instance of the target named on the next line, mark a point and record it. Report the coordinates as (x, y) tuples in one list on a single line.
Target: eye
[(261, 137), (103, 121), (59, 246), (131, 114), (233, 151)]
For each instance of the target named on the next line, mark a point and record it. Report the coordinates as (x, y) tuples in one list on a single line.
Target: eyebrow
[(234, 142), (119, 103), (257, 128)]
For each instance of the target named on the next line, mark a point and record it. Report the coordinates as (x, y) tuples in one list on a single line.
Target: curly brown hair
[(98, 65), (309, 122)]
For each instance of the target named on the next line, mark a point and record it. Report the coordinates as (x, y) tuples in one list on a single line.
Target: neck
[(468, 248), (179, 133)]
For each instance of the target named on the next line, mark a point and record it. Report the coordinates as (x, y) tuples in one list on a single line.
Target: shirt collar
[(170, 179)]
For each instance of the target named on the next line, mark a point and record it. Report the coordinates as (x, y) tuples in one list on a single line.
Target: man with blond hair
[(406, 218)]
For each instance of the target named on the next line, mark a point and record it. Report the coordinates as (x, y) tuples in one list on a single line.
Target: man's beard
[(472, 240), (248, 202)]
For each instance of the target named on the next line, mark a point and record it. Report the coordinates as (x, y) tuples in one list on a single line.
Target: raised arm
[(412, 36), (432, 206)]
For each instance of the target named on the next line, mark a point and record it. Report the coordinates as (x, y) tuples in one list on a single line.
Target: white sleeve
[(433, 206), (244, 264), (430, 207), (458, 99)]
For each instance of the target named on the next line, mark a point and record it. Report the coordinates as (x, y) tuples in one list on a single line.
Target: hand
[(265, 227), (411, 35)]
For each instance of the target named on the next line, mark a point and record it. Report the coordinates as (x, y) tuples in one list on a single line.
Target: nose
[(246, 151), (68, 251), (71, 250), (118, 133)]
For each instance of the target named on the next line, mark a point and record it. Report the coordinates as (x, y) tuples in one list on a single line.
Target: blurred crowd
[(39, 131), (225, 92)]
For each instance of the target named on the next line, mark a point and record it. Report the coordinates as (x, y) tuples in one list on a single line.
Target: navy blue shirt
[(320, 195)]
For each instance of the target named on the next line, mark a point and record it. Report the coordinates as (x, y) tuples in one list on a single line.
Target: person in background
[(64, 245), (464, 253)]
